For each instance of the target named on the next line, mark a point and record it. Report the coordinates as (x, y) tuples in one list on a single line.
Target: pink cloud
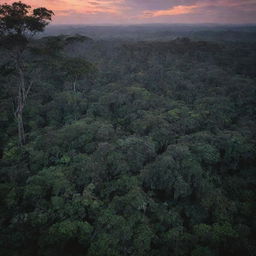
[(176, 10)]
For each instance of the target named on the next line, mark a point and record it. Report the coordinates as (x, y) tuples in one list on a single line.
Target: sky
[(149, 11)]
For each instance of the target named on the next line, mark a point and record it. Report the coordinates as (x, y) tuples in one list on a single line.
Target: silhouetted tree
[(18, 24)]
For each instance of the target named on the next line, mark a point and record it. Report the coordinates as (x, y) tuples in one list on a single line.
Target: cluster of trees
[(148, 151)]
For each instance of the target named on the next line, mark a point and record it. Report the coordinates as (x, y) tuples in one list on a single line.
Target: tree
[(76, 69), (18, 24)]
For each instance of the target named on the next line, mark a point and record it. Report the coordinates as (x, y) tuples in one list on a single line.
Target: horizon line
[(148, 24)]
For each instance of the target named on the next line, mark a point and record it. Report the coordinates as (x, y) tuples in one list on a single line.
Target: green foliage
[(153, 154), (16, 20), (67, 230)]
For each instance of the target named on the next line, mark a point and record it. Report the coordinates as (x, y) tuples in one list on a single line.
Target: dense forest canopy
[(133, 147)]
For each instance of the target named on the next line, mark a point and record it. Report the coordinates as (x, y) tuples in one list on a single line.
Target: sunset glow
[(177, 10), (149, 11)]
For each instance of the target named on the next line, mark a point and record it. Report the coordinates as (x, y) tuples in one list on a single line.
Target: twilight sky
[(148, 11)]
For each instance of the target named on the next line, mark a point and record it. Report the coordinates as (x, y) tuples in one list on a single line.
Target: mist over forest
[(126, 140), (161, 32)]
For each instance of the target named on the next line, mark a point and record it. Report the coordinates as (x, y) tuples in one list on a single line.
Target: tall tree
[(18, 25)]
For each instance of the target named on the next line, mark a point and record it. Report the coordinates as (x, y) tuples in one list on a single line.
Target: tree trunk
[(22, 139), (21, 100), (19, 115), (75, 101), (74, 85)]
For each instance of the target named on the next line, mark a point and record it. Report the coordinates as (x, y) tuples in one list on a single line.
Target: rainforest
[(126, 140)]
